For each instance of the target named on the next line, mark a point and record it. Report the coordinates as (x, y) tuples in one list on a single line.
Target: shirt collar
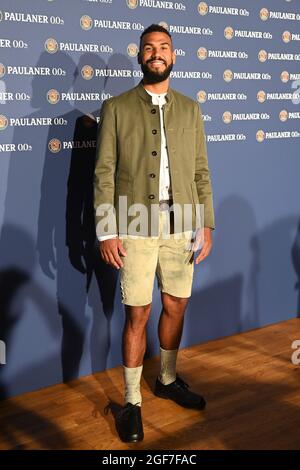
[(155, 94), (147, 97)]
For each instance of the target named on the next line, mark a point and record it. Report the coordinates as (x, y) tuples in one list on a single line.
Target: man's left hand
[(207, 245)]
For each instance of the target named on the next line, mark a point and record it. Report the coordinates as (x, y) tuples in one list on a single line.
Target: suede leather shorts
[(167, 259)]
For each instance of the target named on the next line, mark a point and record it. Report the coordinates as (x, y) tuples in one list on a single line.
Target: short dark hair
[(153, 28)]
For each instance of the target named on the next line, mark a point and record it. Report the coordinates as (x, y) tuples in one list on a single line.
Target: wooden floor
[(250, 384)]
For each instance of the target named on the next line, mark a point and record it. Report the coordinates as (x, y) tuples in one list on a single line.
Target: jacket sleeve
[(202, 172), (104, 175)]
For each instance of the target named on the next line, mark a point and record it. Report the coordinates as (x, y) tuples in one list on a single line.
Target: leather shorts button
[(154, 131), (151, 196)]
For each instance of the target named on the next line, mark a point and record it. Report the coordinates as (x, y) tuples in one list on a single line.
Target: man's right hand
[(110, 250)]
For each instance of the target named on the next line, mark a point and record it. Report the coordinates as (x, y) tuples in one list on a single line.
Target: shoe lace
[(181, 382), (125, 410)]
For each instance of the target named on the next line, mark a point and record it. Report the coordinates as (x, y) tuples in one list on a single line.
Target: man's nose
[(155, 53)]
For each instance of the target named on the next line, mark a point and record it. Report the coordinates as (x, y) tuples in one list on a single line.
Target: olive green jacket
[(128, 156)]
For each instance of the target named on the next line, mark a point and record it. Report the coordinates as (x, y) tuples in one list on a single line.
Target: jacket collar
[(146, 97)]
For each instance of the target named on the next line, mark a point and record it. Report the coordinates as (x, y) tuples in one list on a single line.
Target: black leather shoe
[(178, 392), (129, 423)]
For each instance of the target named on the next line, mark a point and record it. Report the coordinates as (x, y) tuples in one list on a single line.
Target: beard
[(156, 76)]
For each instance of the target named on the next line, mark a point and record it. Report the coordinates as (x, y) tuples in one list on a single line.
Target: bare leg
[(171, 321), (169, 384), (134, 334)]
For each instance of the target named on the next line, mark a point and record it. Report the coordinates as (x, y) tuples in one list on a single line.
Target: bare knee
[(174, 305), (137, 317)]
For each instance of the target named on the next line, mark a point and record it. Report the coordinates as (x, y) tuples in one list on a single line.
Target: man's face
[(156, 57)]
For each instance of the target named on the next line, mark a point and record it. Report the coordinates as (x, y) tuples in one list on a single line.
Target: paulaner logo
[(227, 117), (2, 70), (3, 122), (201, 96), (132, 50), (164, 25), (202, 8), (53, 96), (262, 55), (54, 145), (227, 75), (261, 96), (286, 36), (2, 353), (132, 4), (283, 115), (202, 53), (264, 14), (51, 46), (284, 76), (228, 32), (87, 72), (86, 22), (260, 136)]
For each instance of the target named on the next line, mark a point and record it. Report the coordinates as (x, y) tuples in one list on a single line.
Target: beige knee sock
[(167, 366), (132, 378)]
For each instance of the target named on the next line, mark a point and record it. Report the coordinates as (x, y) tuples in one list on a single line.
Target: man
[(151, 149)]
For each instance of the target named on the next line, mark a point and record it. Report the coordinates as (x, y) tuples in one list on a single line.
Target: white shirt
[(165, 190)]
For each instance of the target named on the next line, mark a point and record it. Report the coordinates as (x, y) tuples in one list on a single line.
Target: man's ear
[(174, 57)]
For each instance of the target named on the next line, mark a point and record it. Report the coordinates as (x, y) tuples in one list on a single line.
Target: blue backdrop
[(61, 314)]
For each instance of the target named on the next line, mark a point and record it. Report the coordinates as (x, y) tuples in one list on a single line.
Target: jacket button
[(152, 175), (154, 153), (154, 131), (153, 111), (151, 196)]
